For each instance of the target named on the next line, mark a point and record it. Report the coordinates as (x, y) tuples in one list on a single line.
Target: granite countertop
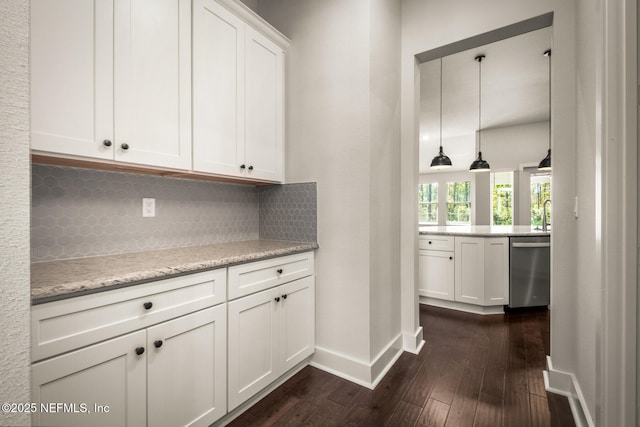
[(484, 230), (54, 280)]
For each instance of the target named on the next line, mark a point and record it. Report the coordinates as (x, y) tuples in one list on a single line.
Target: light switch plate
[(148, 207)]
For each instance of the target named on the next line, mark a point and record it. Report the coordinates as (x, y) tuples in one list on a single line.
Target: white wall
[(342, 132), (588, 275), (14, 208), (428, 24), (384, 173)]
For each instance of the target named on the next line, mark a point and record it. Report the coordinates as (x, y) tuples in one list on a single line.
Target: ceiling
[(515, 91)]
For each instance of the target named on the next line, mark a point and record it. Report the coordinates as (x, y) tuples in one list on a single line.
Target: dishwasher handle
[(531, 245)]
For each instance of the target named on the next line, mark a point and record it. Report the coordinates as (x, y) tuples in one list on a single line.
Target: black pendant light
[(545, 164), (441, 161), (479, 164)]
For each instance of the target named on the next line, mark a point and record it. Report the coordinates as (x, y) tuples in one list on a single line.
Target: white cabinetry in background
[(238, 96), (436, 267), (464, 269), (111, 80)]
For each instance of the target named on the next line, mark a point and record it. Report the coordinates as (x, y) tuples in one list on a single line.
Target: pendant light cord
[(479, 58), (441, 105)]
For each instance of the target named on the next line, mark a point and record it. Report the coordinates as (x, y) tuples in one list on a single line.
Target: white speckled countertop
[(54, 280), (483, 230)]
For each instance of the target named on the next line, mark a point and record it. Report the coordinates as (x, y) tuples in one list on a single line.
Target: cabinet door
[(152, 82), (436, 274), (72, 77), (218, 89), (187, 369), (297, 319), (469, 270), (264, 107), (110, 375), (496, 269), (253, 345)]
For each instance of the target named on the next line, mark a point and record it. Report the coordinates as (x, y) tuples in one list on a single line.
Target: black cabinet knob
[(106, 143), (242, 166), (124, 146), (139, 350), (250, 168), (157, 343), (147, 305), (450, 257), (279, 271), (284, 296), (429, 242), (277, 299)]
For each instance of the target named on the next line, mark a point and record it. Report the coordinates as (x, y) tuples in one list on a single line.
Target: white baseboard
[(414, 342), (566, 384), (261, 394), (461, 306), (366, 374)]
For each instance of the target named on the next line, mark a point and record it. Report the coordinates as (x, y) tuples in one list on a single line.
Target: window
[(459, 202), (540, 191), (428, 203), (502, 198)]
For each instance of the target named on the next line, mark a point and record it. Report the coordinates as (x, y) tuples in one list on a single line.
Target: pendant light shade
[(441, 161), (479, 164), (545, 164)]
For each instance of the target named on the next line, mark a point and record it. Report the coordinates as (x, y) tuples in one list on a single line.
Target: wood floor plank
[(434, 414), (463, 408), (405, 414), (540, 414), (489, 411), (474, 371)]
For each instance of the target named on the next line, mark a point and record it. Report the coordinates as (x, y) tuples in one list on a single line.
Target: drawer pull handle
[(284, 296), (157, 343), (277, 299), (106, 143), (139, 351), (250, 168), (124, 146), (279, 271), (243, 167), (147, 305)]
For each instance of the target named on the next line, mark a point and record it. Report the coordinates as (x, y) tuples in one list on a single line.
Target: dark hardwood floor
[(473, 371)]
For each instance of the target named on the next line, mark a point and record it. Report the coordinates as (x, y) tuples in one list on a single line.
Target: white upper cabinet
[(218, 108), (72, 77), (111, 80), (238, 97), (153, 82)]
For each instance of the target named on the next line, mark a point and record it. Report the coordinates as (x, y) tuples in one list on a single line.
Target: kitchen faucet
[(545, 224)]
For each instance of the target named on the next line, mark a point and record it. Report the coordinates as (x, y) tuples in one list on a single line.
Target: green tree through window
[(428, 203), (502, 198), (540, 191), (459, 202)]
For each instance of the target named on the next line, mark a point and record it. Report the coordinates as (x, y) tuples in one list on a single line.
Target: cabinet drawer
[(246, 279), (60, 326), (437, 243)]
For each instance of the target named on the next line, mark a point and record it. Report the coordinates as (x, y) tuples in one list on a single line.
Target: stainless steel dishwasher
[(529, 271)]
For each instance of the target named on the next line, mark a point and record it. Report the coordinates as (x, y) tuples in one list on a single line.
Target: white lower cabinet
[(172, 352), (270, 332), (110, 374), (171, 374), (471, 270), (186, 369), (436, 274)]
